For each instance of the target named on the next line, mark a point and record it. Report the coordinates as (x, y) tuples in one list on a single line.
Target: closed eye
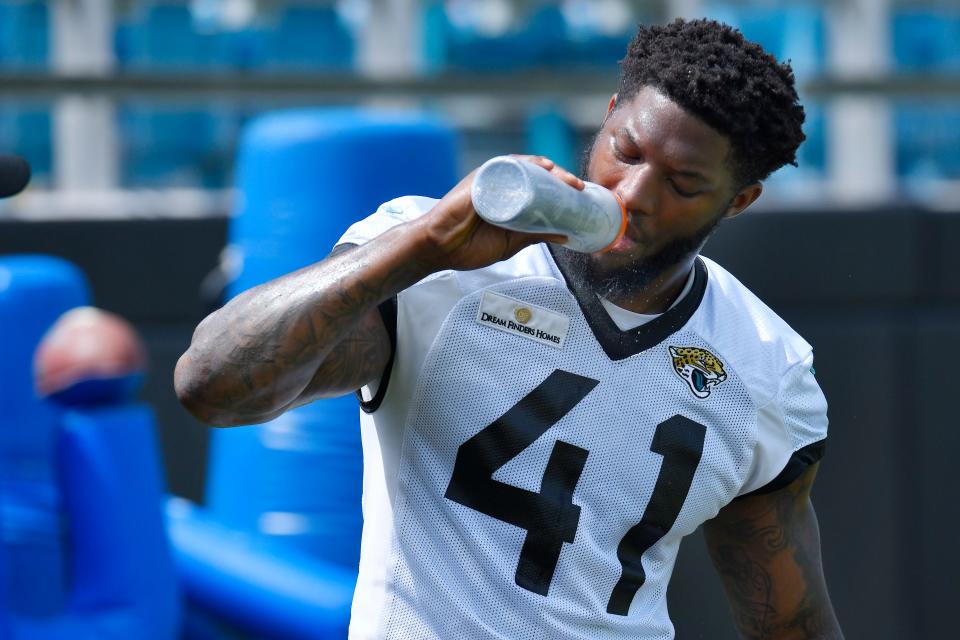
[(682, 193), (623, 156)]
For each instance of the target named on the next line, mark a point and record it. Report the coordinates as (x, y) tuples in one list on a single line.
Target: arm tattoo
[(309, 334), (767, 552), (365, 349)]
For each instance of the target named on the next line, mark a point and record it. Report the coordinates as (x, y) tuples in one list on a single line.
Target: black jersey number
[(680, 441), (550, 517)]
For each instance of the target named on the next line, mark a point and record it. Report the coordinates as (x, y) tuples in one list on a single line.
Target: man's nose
[(637, 189)]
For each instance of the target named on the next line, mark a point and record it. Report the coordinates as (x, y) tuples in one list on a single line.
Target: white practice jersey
[(530, 469)]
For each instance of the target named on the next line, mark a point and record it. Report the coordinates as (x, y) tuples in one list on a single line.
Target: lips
[(623, 245), (628, 241)]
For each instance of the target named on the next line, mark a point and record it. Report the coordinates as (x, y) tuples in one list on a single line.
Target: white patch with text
[(523, 319)]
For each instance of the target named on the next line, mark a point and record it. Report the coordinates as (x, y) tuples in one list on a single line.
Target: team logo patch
[(699, 368)]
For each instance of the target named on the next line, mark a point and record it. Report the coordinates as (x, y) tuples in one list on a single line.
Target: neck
[(659, 293)]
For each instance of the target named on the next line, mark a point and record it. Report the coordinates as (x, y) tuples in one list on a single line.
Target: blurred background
[(133, 115)]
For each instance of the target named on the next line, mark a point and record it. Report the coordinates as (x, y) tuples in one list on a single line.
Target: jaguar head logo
[(699, 368)]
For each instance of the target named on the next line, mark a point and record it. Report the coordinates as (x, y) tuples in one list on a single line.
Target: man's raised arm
[(316, 332)]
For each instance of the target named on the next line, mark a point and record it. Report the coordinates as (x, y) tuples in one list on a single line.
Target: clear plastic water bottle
[(519, 195)]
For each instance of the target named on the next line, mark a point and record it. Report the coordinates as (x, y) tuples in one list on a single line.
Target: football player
[(541, 428)]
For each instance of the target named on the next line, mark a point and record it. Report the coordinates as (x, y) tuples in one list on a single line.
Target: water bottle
[(519, 195)]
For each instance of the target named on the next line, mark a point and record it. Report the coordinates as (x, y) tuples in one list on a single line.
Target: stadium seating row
[(460, 33), (193, 145)]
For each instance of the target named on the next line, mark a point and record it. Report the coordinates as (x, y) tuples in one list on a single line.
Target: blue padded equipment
[(290, 489), (80, 486), (34, 291), (120, 566), (259, 585), (305, 175)]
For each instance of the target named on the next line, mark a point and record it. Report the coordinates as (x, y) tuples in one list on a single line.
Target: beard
[(624, 281)]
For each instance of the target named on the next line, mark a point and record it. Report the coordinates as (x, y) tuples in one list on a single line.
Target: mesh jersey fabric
[(524, 490)]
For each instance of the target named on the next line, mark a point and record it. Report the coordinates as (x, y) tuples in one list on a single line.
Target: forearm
[(252, 358)]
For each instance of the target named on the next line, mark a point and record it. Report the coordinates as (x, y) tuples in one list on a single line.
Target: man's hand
[(461, 240), (766, 549)]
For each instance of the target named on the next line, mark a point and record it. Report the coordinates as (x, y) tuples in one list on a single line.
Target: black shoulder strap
[(388, 312)]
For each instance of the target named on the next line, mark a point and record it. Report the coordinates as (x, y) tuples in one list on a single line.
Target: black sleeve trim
[(388, 313), (799, 462)]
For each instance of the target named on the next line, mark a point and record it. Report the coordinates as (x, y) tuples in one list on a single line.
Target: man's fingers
[(542, 161), (569, 178), (554, 168)]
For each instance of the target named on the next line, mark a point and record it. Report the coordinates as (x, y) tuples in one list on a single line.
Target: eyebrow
[(687, 173)]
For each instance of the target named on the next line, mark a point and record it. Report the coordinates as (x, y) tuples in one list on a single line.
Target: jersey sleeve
[(387, 216), (791, 431)]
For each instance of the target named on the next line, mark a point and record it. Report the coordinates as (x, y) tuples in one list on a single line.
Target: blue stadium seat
[(305, 38), (24, 35), (171, 145), (187, 146), (528, 42), (794, 31), (542, 35), (550, 134), (926, 39), (162, 36), (813, 151), (26, 129), (595, 35), (928, 141), (83, 550)]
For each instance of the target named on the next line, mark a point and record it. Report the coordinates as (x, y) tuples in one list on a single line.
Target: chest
[(514, 404)]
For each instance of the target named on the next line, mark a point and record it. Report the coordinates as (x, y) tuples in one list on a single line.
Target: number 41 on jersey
[(550, 516)]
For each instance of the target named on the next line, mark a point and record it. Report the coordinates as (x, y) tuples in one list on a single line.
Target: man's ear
[(744, 198)]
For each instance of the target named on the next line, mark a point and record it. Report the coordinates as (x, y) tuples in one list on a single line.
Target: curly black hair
[(736, 87)]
